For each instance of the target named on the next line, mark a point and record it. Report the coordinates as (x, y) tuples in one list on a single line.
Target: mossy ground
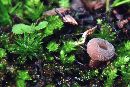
[(39, 51)]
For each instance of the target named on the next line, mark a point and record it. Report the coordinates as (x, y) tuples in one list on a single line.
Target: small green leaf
[(52, 46), (21, 28), (41, 25)]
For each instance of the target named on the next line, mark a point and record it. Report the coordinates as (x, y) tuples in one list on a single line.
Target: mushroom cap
[(100, 49)]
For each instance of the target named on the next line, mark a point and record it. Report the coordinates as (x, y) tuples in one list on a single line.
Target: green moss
[(2, 53)]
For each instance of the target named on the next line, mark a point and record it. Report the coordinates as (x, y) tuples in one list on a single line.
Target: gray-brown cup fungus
[(99, 50)]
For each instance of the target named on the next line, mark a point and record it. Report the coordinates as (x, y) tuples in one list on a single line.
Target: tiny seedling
[(52, 46), (23, 28), (22, 76)]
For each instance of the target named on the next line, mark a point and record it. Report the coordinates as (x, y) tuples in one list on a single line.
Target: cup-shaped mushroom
[(100, 50)]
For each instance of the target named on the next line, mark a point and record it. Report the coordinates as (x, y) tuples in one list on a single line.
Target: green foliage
[(120, 2), (22, 76), (68, 47), (33, 9), (42, 25), (26, 42), (52, 46), (28, 39), (27, 46), (125, 70), (124, 61), (66, 59), (22, 28), (124, 49), (64, 51), (127, 46), (4, 16), (120, 64), (71, 59), (2, 53), (30, 9), (64, 3), (6, 2), (54, 22), (105, 31), (111, 71), (17, 9), (111, 74), (20, 83)]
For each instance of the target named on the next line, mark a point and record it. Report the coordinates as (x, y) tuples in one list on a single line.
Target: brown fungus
[(99, 50)]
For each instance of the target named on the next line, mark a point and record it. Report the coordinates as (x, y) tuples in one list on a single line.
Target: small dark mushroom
[(99, 50)]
